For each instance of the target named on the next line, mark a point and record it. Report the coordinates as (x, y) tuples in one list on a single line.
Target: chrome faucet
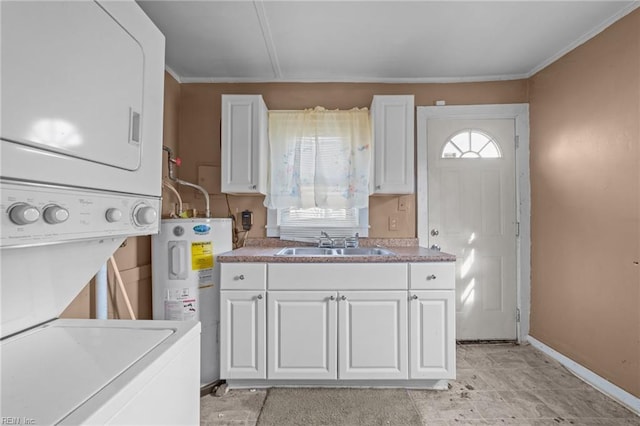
[(349, 242), (325, 240), (352, 241)]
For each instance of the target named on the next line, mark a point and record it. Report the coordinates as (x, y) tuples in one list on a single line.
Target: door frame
[(520, 114)]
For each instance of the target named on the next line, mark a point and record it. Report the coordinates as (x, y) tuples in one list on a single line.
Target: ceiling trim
[(587, 36), (173, 74), (472, 79), (268, 39)]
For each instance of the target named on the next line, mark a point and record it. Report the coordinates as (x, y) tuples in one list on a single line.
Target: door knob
[(435, 232)]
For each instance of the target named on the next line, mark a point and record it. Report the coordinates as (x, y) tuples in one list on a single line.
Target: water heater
[(186, 280)]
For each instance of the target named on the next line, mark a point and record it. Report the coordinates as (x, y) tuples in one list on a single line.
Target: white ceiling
[(373, 41)]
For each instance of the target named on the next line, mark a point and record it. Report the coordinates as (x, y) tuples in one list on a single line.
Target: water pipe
[(177, 195), (173, 160), (101, 293)]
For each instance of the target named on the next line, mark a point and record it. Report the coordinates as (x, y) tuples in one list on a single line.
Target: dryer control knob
[(113, 215), (23, 214), (55, 214), (145, 215)]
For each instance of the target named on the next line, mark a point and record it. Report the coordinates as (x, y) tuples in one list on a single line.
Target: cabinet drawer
[(432, 276), (338, 276), (243, 276)]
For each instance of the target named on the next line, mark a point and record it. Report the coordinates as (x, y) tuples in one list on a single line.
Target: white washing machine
[(56, 371)]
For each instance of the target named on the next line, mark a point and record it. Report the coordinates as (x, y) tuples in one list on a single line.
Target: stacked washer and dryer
[(81, 144)]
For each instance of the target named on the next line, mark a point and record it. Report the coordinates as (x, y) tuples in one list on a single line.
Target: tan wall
[(200, 110), (134, 259), (585, 178), (170, 136), (134, 263)]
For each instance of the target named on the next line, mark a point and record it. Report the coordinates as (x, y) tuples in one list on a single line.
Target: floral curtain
[(319, 158)]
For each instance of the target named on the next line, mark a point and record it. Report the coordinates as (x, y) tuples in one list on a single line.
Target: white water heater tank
[(186, 280)]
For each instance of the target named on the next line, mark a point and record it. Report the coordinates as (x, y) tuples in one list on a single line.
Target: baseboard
[(603, 385)]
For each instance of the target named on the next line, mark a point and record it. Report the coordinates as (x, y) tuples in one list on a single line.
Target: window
[(318, 173), (471, 144)]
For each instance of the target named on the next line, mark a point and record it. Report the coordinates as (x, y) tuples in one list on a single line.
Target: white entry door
[(472, 214)]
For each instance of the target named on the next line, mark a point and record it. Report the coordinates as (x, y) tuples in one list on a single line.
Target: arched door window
[(471, 143)]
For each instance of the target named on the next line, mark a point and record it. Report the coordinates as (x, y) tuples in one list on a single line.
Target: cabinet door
[(433, 341), (242, 335), (393, 144), (372, 335), (244, 136), (302, 335)]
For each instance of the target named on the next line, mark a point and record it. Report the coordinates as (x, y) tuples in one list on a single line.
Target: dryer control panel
[(40, 214)]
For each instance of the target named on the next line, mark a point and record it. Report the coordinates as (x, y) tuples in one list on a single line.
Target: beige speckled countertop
[(406, 250)]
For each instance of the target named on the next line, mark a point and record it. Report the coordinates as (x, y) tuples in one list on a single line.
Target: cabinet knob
[(240, 277), (431, 277), (414, 297), (343, 297), (332, 297), (260, 297), (435, 247), (435, 232), (253, 186), (378, 187)]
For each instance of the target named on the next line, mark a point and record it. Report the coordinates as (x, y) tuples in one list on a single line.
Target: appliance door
[(78, 81)]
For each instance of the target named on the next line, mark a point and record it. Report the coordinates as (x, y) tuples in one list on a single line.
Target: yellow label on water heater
[(201, 255)]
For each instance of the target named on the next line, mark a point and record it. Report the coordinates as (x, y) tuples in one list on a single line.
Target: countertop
[(406, 250)]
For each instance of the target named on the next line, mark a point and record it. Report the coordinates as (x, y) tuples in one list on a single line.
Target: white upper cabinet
[(244, 144), (392, 119)]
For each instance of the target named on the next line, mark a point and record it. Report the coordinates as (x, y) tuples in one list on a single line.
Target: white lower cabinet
[(433, 351), (302, 335), (337, 335), (242, 335), (402, 329), (372, 335)]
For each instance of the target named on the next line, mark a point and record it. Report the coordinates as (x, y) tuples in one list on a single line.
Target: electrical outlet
[(247, 220), (393, 223)]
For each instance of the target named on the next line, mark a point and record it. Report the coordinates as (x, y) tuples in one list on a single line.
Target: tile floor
[(496, 384)]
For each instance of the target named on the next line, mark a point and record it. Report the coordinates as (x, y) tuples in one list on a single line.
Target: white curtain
[(319, 158)]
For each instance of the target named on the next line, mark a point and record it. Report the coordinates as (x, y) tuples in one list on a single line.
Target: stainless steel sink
[(321, 251)]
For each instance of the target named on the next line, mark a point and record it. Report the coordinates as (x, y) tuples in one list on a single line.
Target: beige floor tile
[(449, 405), (568, 404), (237, 407), (491, 406), (526, 405), (469, 380), (497, 384)]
